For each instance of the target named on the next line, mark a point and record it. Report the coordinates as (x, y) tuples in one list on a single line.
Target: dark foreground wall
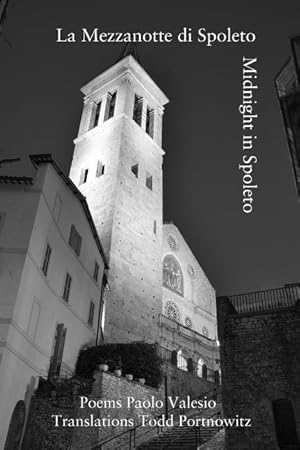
[(260, 364)]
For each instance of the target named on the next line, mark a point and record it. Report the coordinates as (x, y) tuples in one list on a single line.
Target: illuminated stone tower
[(117, 164)]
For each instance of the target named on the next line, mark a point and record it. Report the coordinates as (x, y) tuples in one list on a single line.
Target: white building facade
[(51, 284)]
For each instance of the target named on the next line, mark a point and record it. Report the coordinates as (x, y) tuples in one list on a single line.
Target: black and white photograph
[(149, 225)]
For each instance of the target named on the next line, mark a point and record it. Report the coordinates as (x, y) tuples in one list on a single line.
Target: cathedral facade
[(158, 291)]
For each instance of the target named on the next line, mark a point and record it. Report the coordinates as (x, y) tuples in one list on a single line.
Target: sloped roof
[(40, 159)]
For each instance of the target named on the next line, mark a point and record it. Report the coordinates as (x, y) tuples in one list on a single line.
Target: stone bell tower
[(117, 165)]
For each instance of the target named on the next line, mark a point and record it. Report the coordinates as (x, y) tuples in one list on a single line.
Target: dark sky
[(41, 104)]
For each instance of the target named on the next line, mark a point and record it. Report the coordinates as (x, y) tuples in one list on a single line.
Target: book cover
[(149, 216)]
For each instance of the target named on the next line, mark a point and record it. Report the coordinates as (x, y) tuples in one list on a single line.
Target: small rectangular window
[(33, 320), (100, 169), (154, 227), (149, 181), (46, 260), (83, 176), (57, 352), (75, 240), (110, 105), (91, 314), (96, 271), (150, 122), (67, 288), (135, 170), (138, 109)]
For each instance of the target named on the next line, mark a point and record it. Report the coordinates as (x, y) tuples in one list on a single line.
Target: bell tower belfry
[(117, 165)]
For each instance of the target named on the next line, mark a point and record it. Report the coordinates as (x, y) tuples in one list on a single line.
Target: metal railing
[(193, 367), (185, 331), (197, 432), (59, 369), (133, 434), (268, 300)]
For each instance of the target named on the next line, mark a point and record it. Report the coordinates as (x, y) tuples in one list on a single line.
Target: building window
[(149, 181), (100, 169), (150, 122), (58, 349), (91, 314), (96, 108), (201, 368), (46, 260), (135, 170), (67, 288), (182, 362), (83, 176), (138, 109), (75, 240), (97, 114), (33, 320), (154, 227), (16, 426), (110, 105), (172, 274), (57, 207), (96, 271)]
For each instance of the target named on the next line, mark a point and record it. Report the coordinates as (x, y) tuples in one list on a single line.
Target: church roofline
[(170, 224), (46, 158), (131, 66)]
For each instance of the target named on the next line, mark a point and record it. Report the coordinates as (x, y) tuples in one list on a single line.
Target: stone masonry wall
[(41, 432), (260, 363), (184, 383)]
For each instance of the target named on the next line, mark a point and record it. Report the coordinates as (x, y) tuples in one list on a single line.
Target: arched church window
[(172, 312), (201, 368), (188, 322), (172, 274), (182, 361)]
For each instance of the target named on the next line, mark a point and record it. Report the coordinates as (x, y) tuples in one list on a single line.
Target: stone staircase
[(185, 437)]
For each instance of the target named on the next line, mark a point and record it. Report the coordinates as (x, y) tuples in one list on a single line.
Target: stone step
[(187, 439)]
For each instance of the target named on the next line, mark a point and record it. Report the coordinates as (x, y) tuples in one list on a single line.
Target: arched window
[(174, 358), (190, 365), (172, 274), (182, 361), (16, 426), (201, 368)]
